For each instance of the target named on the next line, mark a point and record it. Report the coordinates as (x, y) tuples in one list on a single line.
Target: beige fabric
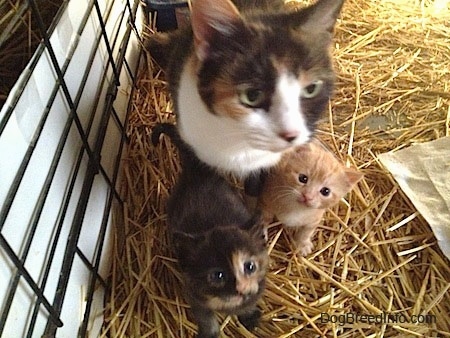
[(423, 173)]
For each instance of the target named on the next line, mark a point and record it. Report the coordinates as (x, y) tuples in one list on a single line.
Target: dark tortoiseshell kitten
[(219, 244), (249, 79)]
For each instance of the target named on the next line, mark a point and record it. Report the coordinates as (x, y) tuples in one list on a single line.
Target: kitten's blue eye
[(252, 97), (303, 178), (325, 191), (249, 267), (217, 278), (312, 90)]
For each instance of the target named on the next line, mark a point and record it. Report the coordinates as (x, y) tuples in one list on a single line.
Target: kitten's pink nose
[(305, 198), (289, 135)]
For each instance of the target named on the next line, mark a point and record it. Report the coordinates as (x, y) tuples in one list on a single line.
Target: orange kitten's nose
[(305, 198), (308, 197), (289, 136)]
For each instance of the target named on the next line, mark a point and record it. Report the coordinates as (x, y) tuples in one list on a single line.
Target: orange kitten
[(307, 181)]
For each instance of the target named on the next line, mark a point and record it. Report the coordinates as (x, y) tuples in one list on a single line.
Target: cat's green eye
[(312, 90), (252, 97), (249, 267), (303, 178), (325, 191), (217, 278)]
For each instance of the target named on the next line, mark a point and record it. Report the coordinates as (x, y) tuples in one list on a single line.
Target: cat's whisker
[(259, 142)]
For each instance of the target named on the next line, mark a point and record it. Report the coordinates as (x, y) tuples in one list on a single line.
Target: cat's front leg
[(250, 319), (302, 239), (208, 327)]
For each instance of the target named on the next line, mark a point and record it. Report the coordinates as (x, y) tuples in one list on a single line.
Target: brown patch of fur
[(226, 100), (280, 64), (193, 64), (247, 284), (220, 304)]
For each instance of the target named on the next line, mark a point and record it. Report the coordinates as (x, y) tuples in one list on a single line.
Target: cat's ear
[(320, 17), (208, 17), (255, 226), (352, 176), (186, 243)]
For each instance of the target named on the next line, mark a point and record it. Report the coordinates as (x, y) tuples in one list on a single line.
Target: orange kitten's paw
[(305, 248)]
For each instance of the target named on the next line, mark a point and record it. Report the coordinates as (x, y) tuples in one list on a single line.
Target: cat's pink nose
[(289, 135)]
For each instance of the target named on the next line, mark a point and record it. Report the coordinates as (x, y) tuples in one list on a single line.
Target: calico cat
[(219, 244), (307, 181), (249, 79)]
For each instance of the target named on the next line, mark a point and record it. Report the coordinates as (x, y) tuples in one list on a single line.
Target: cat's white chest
[(219, 141), (300, 216)]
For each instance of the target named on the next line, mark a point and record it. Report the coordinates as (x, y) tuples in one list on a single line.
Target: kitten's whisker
[(285, 191)]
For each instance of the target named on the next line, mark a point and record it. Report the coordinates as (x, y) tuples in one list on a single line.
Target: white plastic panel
[(30, 130)]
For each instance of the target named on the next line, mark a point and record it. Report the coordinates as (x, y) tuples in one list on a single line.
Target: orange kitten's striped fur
[(307, 181)]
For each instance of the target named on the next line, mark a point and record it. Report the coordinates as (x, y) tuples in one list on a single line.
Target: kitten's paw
[(305, 248), (266, 234), (250, 320)]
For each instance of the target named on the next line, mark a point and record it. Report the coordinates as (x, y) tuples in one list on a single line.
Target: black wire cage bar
[(62, 135)]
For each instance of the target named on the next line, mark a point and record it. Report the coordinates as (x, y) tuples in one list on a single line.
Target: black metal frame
[(94, 167)]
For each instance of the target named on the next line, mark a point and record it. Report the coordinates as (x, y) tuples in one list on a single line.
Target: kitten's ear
[(353, 176), (209, 16), (321, 16), (303, 149), (255, 226), (253, 221), (185, 243)]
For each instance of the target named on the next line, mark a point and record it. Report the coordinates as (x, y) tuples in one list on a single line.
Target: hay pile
[(374, 254)]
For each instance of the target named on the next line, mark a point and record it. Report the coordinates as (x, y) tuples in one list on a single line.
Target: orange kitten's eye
[(325, 191), (303, 178), (216, 278), (249, 267)]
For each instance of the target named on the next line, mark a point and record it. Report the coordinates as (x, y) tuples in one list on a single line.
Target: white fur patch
[(240, 146), (285, 112), (300, 216)]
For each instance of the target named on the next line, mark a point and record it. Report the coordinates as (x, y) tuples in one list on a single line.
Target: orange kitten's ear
[(353, 176), (209, 16)]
